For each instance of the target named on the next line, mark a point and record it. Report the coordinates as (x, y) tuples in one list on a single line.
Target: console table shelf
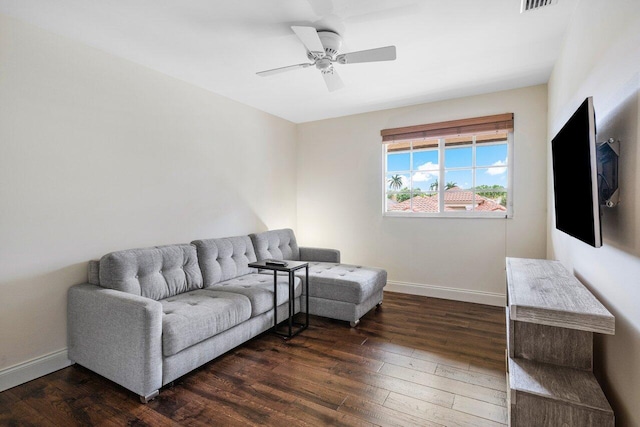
[(551, 318), (552, 395), (545, 293)]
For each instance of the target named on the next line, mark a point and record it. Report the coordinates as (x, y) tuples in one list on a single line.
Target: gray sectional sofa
[(148, 316)]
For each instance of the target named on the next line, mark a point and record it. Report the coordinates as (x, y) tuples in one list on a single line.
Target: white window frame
[(442, 183)]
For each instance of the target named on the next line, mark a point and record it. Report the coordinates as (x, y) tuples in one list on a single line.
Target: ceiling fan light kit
[(323, 49)]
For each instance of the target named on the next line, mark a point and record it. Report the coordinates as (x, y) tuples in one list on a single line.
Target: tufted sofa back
[(156, 273), (224, 258), (276, 244)]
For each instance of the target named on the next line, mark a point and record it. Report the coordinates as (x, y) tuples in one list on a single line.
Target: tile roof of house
[(454, 197)]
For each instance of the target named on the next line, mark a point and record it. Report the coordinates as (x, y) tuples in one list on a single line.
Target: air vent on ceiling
[(527, 5)]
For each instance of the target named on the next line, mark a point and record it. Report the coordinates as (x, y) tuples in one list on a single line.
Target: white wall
[(340, 200), (99, 154), (601, 58)]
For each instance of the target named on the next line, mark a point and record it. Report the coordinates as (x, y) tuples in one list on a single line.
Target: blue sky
[(425, 166)]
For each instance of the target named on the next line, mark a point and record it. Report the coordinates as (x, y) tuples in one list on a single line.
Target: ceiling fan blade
[(372, 55), (333, 81), (281, 70), (309, 38)]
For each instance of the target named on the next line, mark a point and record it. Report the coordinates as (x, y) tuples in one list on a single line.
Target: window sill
[(463, 215)]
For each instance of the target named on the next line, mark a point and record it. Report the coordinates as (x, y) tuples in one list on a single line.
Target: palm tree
[(449, 185), (434, 186), (395, 182)]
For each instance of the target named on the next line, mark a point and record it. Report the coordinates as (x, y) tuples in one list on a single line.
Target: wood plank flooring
[(416, 361)]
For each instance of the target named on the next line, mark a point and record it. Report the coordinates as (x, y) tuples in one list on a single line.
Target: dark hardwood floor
[(415, 361)]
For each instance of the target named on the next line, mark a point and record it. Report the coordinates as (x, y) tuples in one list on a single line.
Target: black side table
[(290, 268)]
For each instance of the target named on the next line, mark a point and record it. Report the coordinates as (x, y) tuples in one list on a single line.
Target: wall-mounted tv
[(575, 177)]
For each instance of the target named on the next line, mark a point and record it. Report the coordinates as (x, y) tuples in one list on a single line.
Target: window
[(458, 168)]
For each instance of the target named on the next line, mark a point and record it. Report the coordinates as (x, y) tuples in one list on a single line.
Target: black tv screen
[(575, 180)]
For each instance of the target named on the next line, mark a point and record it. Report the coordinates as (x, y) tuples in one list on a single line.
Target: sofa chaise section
[(338, 291)]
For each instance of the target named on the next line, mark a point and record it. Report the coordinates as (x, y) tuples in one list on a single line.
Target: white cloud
[(497, 170), (429, 166), (424, 176), (428, 171)]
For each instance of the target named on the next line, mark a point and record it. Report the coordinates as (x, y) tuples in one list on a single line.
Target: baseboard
[(32, 369), (466, 295)]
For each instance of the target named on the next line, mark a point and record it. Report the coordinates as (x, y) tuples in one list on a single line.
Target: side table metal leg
[(306, 283), (275, 300), (291, 303)]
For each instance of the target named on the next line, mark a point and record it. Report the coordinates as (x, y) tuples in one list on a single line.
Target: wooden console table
[(551, 318)]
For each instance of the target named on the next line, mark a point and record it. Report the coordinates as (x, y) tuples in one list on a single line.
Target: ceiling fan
[(323, 47)]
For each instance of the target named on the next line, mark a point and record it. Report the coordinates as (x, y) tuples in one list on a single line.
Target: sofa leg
[(149, 397), (378, 305), (354, 323)]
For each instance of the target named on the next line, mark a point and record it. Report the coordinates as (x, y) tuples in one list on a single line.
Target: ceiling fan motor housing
[(331, 42)]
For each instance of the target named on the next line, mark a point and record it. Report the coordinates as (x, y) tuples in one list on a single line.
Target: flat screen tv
[(575, 177)]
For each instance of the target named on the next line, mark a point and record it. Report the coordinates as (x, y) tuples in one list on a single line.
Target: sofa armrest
[(117, 335), (319, 254)]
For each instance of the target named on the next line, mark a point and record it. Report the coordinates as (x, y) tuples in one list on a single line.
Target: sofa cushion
[(224, 258), (276, 244), (194, 316), (344, 282), (156, 273), (259, 289)]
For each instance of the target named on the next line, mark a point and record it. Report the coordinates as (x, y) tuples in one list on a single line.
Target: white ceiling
[(445, 48)]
